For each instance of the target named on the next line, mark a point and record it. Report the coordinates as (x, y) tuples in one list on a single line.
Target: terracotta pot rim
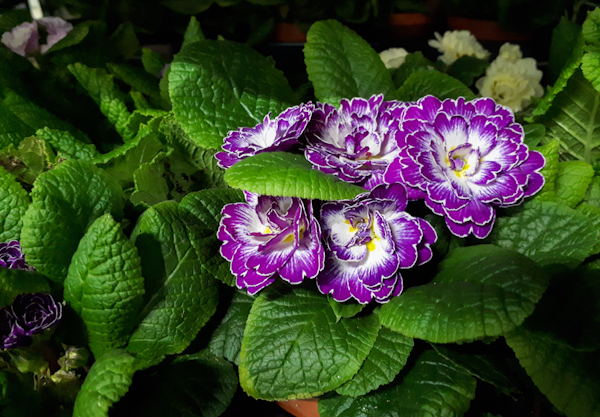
[(409, 19), (301, 408), (485, 30)]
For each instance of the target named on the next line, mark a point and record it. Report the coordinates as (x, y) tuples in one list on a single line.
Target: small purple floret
[(269, 237), (356, 142), (368, 240), (278, 134), (12, 257), (467, 158), (29, 314)]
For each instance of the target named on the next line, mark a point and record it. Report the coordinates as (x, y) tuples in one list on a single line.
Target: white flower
[(393, 57), (457, 43), (511, 81)]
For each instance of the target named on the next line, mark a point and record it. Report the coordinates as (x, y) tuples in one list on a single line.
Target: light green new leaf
[(66, 145), (434, 83), (218, 86), (574, 120), (547, 232), (15, 281), (386, 359), (572, 181), (105, 286), (65, 201), (14, 201), (569, 379), (288, 175), (193, 33), (226, 340), (434, 386), (340, 64), (103, 90), (181, 293), (480, 291), (108, 380), (294, 348)]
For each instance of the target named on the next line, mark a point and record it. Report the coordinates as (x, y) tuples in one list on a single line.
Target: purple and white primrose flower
[(269, 237), (368, 240), (12, 256), (24, 39), (279, 134), (468, 157), (356, 142)]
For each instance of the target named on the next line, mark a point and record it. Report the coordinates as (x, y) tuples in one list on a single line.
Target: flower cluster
[(463, 158), (25, 38), (457, 43), (393, 57), (28, 315), (12, 257), (511, 80)]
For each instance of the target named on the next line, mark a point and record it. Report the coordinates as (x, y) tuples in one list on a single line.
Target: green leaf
[(345, 310), (434, 386), (466, 68), (14, 201), (550, 151), (534, 133), (293, 347), (413, 62), (589, 66), (65, 201), (152, 61), (569, 379), (125, 41), (591, 27), (547, 232), (226, 340), (12, 129), (574, 120), (220, 86), (108, 380), (188, 6), (75, 36), (181, 293), (564, 36), (105, 286), (592, 195), (386, 359), (572, 181), (122, 162), (136, 78), (193, 33), (289, 175), (340, 64), (434, 83), (15, 281), (206, 205), (29, 160), (66, 145), (37, 118), (480, 291), (102, 89)]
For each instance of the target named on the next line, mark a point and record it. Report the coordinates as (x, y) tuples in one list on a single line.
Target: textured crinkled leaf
[(102, 89), (108, 380), (434, 387), (226, 340), (193, 33), (547, 232), (37, 117), (433, 83), (66, 145), (340, 64), (491, 368), (286, 174), (29, 160), (480, 291), (591, 27), (592, 195), (572, 181), (550, 170), (564, 36), (136, 78), (534, 133), (293, 347), (122, 162), (386, 359), (466, 68), (14, 201), (570, 379), (206, 205), (589, 66), (345, 310), (414, 62), (574, 120), (151, 187), (152, 61), (218, 86), (65, 201), (105, 286), (181, 293), (15, 281)]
